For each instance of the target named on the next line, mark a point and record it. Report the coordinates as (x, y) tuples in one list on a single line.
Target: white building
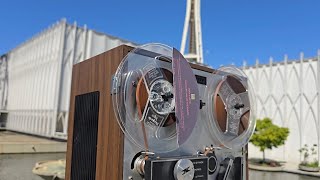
[(3, 81), (288, 93), (35, 77)]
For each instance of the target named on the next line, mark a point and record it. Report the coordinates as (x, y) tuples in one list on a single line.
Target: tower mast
[(192, 27)]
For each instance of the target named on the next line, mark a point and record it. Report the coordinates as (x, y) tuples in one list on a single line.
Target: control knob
[(184, 170)]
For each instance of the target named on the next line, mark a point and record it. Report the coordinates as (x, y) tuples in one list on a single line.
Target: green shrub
[(305, 151), (268, 135)]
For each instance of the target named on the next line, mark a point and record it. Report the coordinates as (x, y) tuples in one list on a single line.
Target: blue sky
[(232, 30)]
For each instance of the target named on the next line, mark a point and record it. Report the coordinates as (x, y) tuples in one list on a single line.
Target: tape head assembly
[(156, 98)]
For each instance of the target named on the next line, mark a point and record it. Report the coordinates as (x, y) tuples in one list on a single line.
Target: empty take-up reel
[(231, 107), (160, 101)]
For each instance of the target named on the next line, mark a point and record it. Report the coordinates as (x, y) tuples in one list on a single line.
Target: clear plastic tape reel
[(231, 118), (140, 81), (143, 98)]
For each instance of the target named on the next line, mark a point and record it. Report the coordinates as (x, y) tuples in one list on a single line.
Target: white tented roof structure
[(35, 85), (288, 92)]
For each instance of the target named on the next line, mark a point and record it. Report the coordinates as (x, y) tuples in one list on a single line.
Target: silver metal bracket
[(113, 90)]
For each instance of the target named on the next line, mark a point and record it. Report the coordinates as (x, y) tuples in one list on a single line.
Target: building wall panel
[(39, 76), (288, 93)]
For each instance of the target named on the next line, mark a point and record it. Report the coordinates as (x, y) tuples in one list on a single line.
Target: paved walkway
[(289, 167), (19, 166), (11, 142)]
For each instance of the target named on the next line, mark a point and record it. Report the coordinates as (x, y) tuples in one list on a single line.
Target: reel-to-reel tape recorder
[(181, 121)]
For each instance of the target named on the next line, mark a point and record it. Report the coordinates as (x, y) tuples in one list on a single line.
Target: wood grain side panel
[(91, 75), (115, 134), (105, 127), (101, 69), (74, 88), (202, 68)]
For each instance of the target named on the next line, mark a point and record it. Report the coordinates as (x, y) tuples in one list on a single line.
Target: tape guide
[(181, 120)]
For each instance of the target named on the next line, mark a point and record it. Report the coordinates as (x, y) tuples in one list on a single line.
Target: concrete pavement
[(19, 166), (11, 142), (289, 167)]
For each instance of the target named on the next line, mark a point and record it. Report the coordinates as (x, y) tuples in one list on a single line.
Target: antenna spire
[(192, 27)]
